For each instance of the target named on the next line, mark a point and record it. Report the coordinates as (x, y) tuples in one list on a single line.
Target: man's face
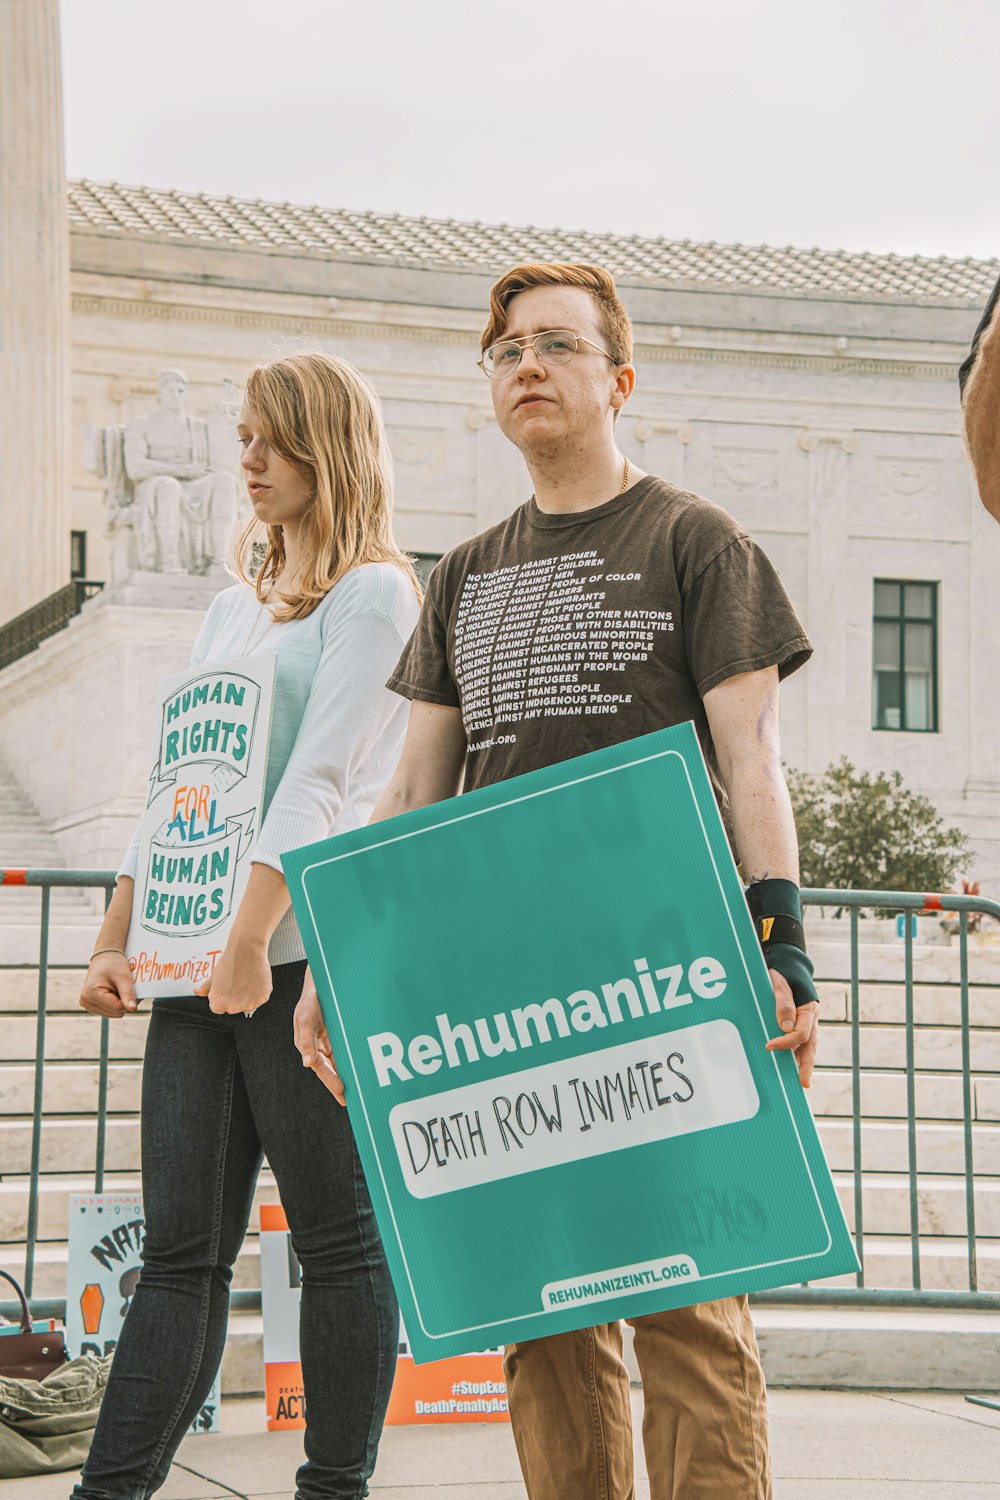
[(542, 408)]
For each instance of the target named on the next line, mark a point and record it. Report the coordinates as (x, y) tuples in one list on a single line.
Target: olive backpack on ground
[(48, 1403)]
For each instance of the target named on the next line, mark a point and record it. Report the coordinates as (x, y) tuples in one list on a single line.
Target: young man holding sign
[(608, 606)]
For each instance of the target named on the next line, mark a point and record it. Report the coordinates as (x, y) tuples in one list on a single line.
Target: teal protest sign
[(549, 1008)]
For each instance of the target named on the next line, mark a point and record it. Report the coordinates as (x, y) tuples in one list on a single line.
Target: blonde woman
[(337, 600)]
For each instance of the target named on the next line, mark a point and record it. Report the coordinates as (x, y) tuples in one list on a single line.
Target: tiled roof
[(341, 233)]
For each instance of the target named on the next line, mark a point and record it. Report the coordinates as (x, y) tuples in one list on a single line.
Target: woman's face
[(280, 492)]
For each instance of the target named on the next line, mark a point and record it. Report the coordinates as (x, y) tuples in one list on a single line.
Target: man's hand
[(240, 981), (108, 989), (800, 1025), (313, 1041)]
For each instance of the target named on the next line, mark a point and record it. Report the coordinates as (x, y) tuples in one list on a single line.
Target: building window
[(78, 554), (904, 656)]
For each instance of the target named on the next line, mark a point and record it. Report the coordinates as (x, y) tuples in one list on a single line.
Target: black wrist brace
[(776, 910)]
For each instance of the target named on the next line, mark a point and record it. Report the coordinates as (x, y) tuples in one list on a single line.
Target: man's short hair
[(614, 320)]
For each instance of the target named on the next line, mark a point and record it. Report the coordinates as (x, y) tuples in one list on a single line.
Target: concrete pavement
[(827, 1445)]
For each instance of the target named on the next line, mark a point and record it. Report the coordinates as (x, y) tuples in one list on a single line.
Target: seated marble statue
[(161, 489)]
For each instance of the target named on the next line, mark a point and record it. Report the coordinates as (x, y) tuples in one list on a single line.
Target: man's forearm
[(764, 833), (761, 814), (431, 767), (981, 407), (394, 801)]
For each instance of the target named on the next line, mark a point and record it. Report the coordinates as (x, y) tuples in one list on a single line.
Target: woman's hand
[(108, 989), (313, 1041), (240, 981)]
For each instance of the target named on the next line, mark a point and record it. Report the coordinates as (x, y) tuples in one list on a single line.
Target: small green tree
[(863, 831)]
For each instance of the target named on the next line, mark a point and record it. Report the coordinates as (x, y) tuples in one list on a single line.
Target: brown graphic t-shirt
[(559, 634)]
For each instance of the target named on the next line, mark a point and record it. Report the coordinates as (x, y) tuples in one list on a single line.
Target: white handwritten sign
[(693, 1079), (203, 813)]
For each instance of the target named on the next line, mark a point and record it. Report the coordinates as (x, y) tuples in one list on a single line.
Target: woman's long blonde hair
[(320, 413)]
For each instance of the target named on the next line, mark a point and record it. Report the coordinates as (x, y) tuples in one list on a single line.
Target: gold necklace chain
[(624, 480)]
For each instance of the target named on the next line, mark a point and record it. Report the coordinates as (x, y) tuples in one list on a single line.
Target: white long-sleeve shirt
[(336, 729)]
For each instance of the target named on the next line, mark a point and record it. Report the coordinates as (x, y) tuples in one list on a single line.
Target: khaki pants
[(704, 1428)]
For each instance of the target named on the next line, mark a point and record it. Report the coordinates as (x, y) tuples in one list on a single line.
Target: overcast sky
[(864, 124)]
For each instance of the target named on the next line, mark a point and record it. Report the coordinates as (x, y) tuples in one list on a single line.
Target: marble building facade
[(813, 395)]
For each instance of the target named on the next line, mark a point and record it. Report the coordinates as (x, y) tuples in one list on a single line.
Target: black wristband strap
[(774, 898), (779, 930), (795, 967), (776, 909)]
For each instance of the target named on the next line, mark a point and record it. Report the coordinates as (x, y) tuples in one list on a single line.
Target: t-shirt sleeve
[(347, 714), (738, 618), (423, 672), (130, 864)]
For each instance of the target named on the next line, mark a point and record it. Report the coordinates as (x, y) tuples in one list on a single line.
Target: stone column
[(826, 619), (34, 307)]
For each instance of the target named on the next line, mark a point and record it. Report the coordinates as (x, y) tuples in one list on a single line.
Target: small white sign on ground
[(105, 1258)]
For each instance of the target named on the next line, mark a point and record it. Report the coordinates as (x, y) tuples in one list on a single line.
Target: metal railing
[(47, 880), (907, 903), (855, 902), (30, 628)]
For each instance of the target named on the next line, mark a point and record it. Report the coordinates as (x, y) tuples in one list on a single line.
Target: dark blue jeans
[(217, 1092)]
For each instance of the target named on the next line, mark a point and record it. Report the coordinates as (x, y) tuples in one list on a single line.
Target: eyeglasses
[(555, 347)]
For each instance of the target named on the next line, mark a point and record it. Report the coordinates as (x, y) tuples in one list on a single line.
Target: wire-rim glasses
[(556, 346)]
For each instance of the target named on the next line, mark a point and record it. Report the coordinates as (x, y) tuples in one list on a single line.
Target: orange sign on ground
[(286, 1405), (466, 1388)]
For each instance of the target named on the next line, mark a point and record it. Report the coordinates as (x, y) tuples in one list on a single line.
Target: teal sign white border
[(634, 1282)]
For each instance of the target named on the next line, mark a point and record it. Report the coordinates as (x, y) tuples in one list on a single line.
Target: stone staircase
[(25, 843), (69, 1140)]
